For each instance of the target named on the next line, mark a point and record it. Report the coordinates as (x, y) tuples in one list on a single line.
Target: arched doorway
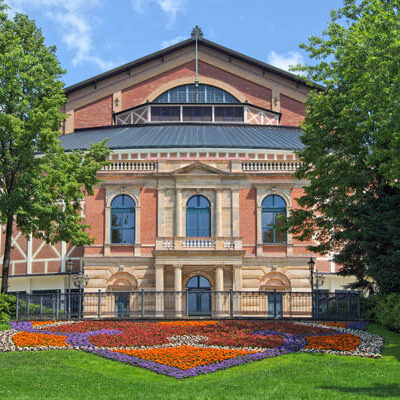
[(199, 296)]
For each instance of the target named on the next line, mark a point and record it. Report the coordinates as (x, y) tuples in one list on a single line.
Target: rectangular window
[(228, 114), (202, 114), (162, 114)]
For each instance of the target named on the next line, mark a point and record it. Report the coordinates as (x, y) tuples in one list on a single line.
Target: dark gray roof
[(187, 136)]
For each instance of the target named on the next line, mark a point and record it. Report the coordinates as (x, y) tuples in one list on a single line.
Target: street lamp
[(80, 282), (311, 265), (69, 265)]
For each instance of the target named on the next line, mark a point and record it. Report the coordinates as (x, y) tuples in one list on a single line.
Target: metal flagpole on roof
[(197, 34)]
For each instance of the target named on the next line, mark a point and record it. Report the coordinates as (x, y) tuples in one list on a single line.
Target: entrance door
[(275, 303), (199, 296), (122, 305)]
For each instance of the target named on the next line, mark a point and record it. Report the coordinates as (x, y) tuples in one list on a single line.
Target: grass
[(78, 375)]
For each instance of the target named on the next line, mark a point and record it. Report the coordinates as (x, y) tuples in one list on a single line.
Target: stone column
[(159, 291), (178, 213), (219, 287), (218, 214), (178, 290), (235, 213)]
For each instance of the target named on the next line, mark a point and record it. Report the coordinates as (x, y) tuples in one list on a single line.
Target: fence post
[(142, 305), (348, 305), (57, 304), (231, 302), (99, 304), (274, 303), (17, 307), (187, 302), (53, 305)]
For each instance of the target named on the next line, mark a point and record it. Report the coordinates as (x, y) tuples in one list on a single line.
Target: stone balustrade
[(143, 166), (271, 166), (192, 243)]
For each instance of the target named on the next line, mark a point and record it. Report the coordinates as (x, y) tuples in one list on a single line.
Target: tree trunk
[(7, 252)]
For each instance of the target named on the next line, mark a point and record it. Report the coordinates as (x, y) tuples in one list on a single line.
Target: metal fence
[(190, 303)]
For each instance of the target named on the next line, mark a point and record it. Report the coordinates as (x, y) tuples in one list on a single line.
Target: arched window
[(198, 217), (123, 220), (189, 94), (272, 207)]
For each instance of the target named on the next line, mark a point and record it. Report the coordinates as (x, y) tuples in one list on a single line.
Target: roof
[(186, 43), (187, 136)]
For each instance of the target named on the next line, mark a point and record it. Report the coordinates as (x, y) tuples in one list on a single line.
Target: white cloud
[(76, 28), (284, 61), (167, 43), (170, 7)]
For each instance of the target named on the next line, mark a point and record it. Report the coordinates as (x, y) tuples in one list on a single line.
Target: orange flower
[(185, 357), (338, 324), (346, 342), (39, 323), (28, 339), (187, 323)]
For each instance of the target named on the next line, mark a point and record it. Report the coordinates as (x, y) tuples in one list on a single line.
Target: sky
[(93, 36)]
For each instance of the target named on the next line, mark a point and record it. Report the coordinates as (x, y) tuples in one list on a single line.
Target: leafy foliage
[(7, 307), (385, 310), (41, 186), (352, 140)]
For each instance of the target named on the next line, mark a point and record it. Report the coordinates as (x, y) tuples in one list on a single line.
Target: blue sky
[(93, 36)]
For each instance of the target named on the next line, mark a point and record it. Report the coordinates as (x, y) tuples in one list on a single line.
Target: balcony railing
[(199, 243)]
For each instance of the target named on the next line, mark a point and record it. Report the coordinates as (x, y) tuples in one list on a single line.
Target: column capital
[(177, 266)]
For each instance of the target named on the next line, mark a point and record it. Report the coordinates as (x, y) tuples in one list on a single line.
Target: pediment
[(198, 168)]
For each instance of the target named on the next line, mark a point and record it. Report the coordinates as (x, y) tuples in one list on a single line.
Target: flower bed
[(188, 348)]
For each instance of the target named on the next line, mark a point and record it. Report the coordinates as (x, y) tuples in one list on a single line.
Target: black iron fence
[(190, 303)]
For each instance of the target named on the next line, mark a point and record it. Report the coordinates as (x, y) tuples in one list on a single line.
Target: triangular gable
[(198, 168)]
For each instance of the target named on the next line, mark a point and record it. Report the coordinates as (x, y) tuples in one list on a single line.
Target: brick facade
[(161, 192)]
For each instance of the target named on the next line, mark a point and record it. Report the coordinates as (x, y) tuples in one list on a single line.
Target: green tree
[(351, 137), (41, 186)]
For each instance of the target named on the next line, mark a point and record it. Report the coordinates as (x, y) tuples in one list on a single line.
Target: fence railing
[(187, 304)]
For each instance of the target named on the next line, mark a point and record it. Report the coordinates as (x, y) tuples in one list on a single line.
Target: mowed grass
[(78, 375)]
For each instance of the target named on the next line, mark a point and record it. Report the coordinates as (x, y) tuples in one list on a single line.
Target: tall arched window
[(123, 220), (272, 207), (198, 217)]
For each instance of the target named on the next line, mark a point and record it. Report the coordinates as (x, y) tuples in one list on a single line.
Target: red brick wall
[(98, 113), (148, 216), (94, 212), (138, 94), (247, 216), (293, 111)]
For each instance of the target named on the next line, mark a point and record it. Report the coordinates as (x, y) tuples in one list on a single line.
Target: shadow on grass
[(378, 390)]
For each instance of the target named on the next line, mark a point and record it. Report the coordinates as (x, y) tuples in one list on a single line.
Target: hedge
[(384, 310)]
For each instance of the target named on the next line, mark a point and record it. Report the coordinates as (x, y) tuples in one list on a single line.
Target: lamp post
[(311, 265), (80, 282), (69, 267)]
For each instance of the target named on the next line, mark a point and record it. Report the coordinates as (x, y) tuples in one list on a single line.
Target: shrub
[(7, 307), (384, 310)]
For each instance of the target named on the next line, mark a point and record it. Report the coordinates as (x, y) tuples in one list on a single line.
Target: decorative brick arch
[(202, 273), (275, 281), (202, 80), (121, 281)]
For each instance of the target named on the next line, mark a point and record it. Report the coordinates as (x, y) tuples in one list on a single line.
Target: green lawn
[(77, 375)]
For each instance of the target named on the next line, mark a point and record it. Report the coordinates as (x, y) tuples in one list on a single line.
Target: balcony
[(198, 243)]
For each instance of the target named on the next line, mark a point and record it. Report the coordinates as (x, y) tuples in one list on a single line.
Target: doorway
[(199, 296)]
